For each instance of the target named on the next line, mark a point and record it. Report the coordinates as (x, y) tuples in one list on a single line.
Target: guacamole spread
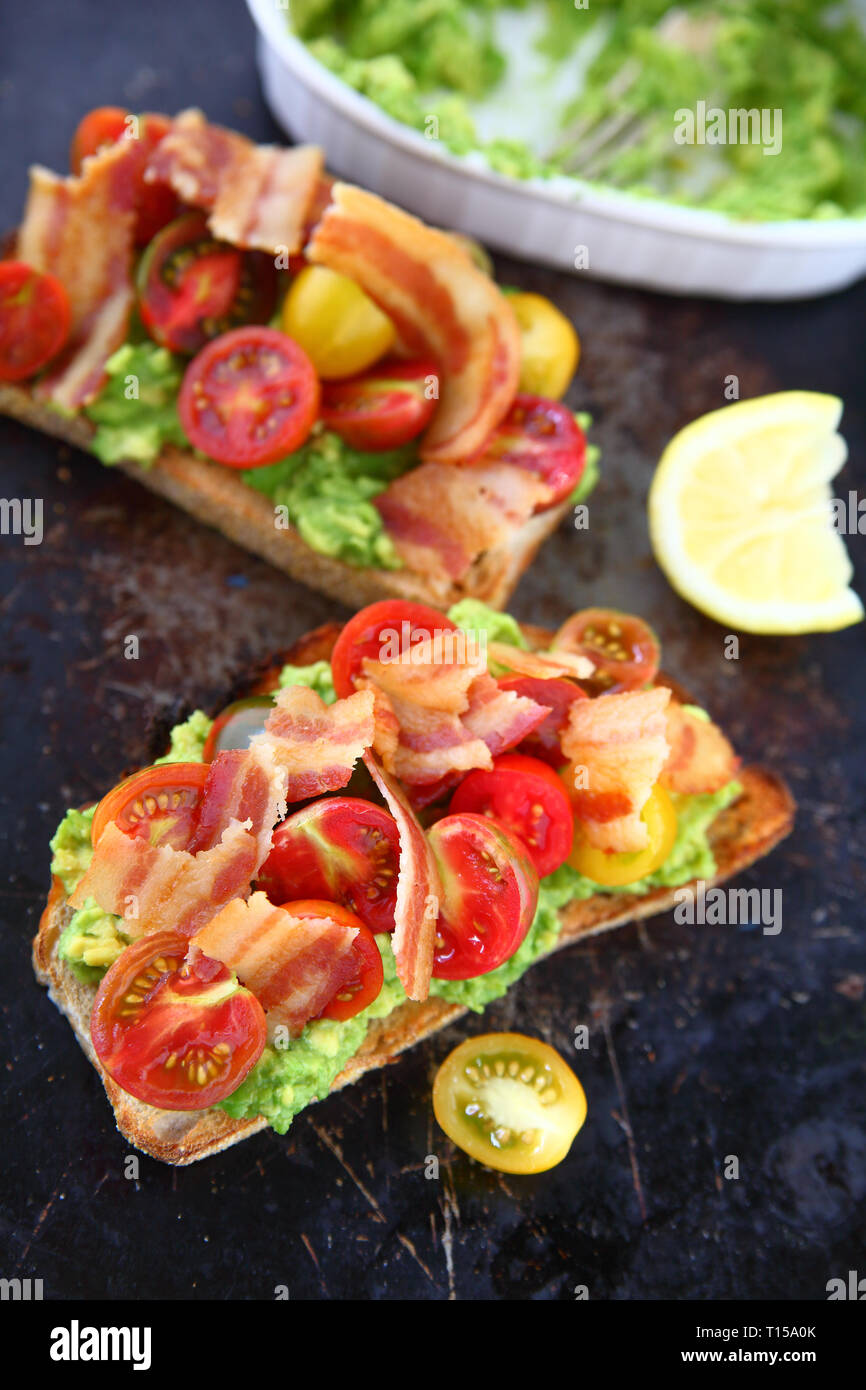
[(285, 1080), (516, 86)]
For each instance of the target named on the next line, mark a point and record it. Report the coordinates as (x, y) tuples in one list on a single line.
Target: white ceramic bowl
[(636, 241)]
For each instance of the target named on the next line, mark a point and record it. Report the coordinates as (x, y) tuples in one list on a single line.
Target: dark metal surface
[(705, 1041)]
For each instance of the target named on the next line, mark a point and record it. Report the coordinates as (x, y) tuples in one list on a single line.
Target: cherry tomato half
[(509, 1101), (379, 624), (384, 409), (489, 895), (339, 327), (160, 804), (176, 1034), (339, 848), (105, 125), (526, 796), (236, 725), (249, 398), (367, 984), (192, 287), (559, 695), (34, 320), (625, 650), (542, 437), (156, 203), (617, 870)]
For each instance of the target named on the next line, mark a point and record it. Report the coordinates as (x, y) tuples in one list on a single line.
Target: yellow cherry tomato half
[(509, 1101), (549, 346), (339, 327), (615, 870)]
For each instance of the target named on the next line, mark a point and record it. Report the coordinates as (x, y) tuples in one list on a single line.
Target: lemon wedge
[(741, 515)]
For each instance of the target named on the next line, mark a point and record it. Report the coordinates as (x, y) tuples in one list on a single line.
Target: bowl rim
[(805, 234)]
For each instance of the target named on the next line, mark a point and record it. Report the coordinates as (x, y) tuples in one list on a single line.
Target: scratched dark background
[(705, 1041)]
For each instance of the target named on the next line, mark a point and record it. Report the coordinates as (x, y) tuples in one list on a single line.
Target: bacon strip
[(617, 743), (441, 713), (701, 758), (243, 785), (442, 515), (441, 303), (258, 195), (316, 745), (544, 665), (294, 966), (153, 887), (81, 230), (501, 718), (419, 890)]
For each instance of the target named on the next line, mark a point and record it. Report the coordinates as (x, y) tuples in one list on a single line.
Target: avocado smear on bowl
[(286, 1079), (504, 83)]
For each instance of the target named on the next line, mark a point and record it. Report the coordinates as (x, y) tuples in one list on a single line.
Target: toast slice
[(743, 832), (218, 497)]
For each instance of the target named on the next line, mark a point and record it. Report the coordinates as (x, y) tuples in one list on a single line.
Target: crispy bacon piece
[(81, 229), (258, 196), (155, 887), (701, 758), (435, 673), (441, 303), (294, 966), (444, 515), (501, 718), (618, 745), (419, 890), (316, 745), (544, 665), (442, 713), (245, 785)]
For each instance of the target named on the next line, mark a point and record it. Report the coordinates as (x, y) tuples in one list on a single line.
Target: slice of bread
[(220, 498), (742, 833)]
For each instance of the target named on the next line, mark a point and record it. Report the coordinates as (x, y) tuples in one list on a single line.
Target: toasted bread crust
[(218, 497), (742, 833)]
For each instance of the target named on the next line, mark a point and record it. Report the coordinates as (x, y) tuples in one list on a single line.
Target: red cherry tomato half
[(176, 1034), (339, 848), (384, 408), (625, 650), (379, 627), (527, 797), (161, 804), (237, 724), (560, 695), (367, 984), (100, 127), (192, 287), (156, 203), (249, 398), (34, 320), (542, 437), (490, 893)]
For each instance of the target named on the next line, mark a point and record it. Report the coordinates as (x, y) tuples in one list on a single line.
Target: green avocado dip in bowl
[(486, 108)]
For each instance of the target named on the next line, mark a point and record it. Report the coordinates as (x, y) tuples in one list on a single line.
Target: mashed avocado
[(285, 1080), (317, 676), (91, 942), (71, 851), (136, 411), (327, 489), (486, 623), (187, 740), (506, 82)]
